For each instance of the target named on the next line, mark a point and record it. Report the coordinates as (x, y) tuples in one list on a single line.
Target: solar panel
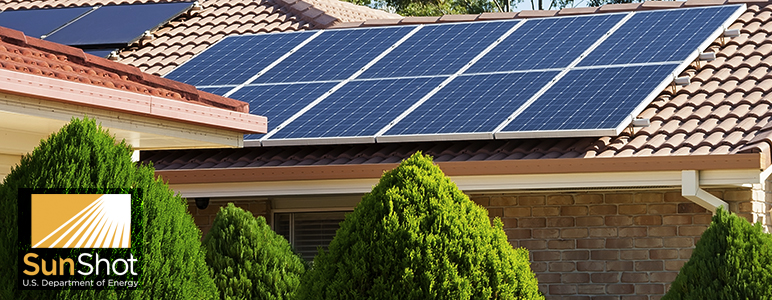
[(359, 108), (438, 49), (677, 34), (97, 27), (334, 55), (235, 59), (39, 22), (472, 104)]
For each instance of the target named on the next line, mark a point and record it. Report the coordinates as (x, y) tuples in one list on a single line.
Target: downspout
[(690, 189)]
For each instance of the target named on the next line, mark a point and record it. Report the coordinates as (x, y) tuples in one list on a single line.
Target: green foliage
[(248, 260), (732, 260), (82, 155), (417, 236)]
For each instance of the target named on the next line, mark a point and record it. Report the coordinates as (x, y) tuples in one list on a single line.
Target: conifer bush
[(248, 260), (417, 236), (83, 155), (732, 260)]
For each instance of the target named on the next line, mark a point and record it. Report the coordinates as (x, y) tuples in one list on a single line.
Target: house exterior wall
[(205, 217)]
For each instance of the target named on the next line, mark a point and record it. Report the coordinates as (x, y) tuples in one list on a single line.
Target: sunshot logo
[(79, 239)]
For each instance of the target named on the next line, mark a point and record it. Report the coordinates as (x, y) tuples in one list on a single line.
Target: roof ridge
[(308, 12)]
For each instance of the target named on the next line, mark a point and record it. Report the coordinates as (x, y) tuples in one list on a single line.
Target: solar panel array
[(550, 77), (98, 29)]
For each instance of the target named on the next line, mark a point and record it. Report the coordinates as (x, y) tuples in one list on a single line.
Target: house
[(613, 217)]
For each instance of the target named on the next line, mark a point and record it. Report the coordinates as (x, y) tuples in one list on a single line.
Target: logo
[(81, 221), (80, 239)]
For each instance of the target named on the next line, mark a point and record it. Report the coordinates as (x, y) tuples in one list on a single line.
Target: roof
[(188, 35), (53, 66), (724, 111)]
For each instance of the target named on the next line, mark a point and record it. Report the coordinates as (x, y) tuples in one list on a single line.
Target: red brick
[(531, 222), (635, 277), (533, 244), (632, 231), (647, 220), (518, 234), (745, 207), (634, 298), (560, 200), (562, 266), (578, 288), (545, 255), (649, 289), (590, 244), (648, 243), (548, 277), (702, 219), (589, 221), (603, 210), (604, 254), (531, 200), (679, 242), (539, 267), (620, 266), (573, 210), (663, 253), (588, 199), (592, 289), (495, 212), (561, 244), (665, 277), (503, 201), (674, 265), (561, 289), (482, 201), (675, 197), (192, 209), (649, 197), (635, 209), (590, 265), (652, 265), (517, 211), (619, 220), (663, 231), (603, 232), (509, 222), (634, 254), (619, 243), (663, 209), (677, 220), (573, 233), (576, 255), (688, 208), (620, 288), (560, 222), (685, 253), (202, 220), (738, 195), (540, 211), (546, 233), (619, 198), (608, 277), (606, 297), (576, 278)]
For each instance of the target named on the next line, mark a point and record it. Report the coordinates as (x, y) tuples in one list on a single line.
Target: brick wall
[(205, 217), (607, 245)]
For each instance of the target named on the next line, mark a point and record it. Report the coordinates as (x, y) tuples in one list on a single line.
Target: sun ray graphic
[(105, 222)]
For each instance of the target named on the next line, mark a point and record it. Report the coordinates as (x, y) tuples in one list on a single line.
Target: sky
[(526, 4)]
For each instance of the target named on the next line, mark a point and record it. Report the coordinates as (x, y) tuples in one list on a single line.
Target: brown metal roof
[(725, 110)]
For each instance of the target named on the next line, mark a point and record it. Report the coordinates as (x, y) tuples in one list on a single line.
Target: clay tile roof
[(217, 19), (724, 110)]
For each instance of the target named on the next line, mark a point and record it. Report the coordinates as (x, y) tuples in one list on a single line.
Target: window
[(307, 231)]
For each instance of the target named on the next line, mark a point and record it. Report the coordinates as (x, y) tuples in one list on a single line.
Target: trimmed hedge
[(248, 260), (82, 155), (417, 236), (732, 260)]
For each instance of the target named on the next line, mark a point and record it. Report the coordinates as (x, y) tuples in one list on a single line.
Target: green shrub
[(248, 260), (732, 260), (82, 155), (417, 236)]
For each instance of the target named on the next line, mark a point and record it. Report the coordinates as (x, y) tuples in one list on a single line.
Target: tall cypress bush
[(417, 236), (83, 155), (732, 260), (248, 260)]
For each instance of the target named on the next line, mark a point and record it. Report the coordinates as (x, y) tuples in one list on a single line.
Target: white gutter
[(690, 189)]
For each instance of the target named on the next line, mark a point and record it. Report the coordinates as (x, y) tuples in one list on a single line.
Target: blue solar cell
[(279, 102), (659, 36), (236, 58), (99, 27), (359, 108), (471, 104), (591, 98), (546, 43), (438, 49), (335, 55), (38, 22)]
